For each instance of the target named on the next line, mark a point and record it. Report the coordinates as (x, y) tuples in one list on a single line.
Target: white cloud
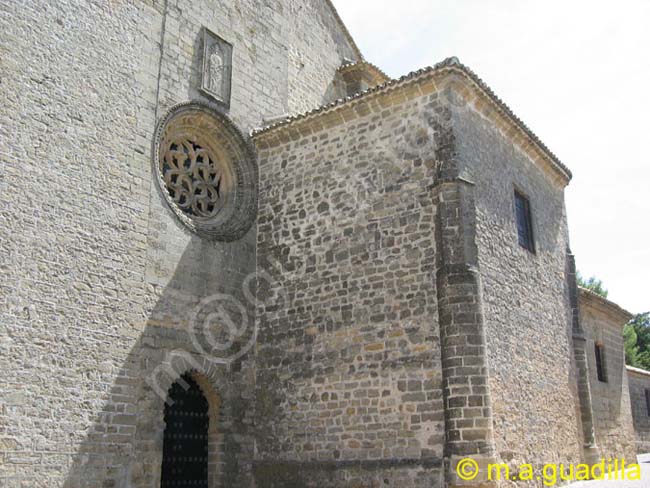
[(578, 73)]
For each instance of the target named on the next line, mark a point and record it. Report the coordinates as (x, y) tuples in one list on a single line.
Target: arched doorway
[(185, 441)]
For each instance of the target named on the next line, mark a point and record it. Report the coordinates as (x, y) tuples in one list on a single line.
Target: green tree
[(593, 284), (640, 323), (636, 333)]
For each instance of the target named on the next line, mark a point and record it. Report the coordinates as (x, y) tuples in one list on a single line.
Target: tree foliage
[(593, 284), (637, 341), (636, 333)]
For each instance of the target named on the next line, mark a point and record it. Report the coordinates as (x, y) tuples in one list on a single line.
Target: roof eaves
[(373, 67), (390, 83), (451, 63), (604, 302), (637, 370)]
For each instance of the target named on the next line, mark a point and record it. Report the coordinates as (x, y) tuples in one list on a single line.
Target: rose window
[(206, 171)]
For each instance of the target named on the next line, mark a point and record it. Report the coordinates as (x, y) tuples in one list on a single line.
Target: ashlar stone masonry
[(237, 253)]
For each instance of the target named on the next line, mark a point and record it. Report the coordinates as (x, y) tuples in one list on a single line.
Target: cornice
[(602, 304), (365, 65), (483, 98), (640, 371)]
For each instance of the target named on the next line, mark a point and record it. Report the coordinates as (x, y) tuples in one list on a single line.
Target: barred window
[(524, 222)]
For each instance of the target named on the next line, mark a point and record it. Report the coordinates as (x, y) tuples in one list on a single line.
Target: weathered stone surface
[(603, 324), (529, 347), (99, 280), (377, 323), (639, 383), (349, 359)]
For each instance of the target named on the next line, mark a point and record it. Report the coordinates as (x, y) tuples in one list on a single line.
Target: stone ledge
[(355, 463), (632, 369)]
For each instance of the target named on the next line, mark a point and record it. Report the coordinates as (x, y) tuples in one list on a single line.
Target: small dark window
[(600, 363), (647, 401), (524, 222)]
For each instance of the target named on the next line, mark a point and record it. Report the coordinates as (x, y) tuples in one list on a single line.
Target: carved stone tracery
[(206, 171), (193, 178)]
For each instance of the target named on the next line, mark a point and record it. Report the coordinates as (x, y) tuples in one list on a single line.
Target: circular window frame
[(235, 153)]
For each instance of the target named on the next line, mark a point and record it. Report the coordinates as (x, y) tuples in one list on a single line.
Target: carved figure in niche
[(215, 69)]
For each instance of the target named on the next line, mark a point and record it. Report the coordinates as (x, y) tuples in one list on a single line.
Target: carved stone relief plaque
[(217, 67)]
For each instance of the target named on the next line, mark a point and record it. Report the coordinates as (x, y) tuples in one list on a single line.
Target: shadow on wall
[(201, 319), (336, 89)]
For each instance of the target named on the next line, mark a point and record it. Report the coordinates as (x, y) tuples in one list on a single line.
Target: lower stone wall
[(229, 392), (93, 261), (407, 473), (532, 381), (639, 382), (348, 352), (612, 416)]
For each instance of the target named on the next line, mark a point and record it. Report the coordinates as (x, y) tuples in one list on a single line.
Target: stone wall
[(349, 374), (603, 323), (285, 54), (314, 53), (385, 253), (529, 350), (100, 280), (75, 241), (639, 383)]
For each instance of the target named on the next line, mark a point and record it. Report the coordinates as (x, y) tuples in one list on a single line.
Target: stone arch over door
[(213, 382)]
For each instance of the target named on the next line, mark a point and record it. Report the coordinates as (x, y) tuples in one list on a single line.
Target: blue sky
[(578, 74)]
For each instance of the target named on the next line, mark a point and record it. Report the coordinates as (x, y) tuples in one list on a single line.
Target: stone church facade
[(234, 247)]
